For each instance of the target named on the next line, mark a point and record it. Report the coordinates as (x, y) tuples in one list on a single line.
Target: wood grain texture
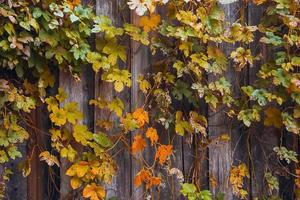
[(223, 156), (78, 91), (17, 185), (37, 178), (263, 139), (140, 64), (118, 12)]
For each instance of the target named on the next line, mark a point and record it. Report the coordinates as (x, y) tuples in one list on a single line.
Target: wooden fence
[(246, 145)]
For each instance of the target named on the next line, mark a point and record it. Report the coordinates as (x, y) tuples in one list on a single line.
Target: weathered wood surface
[(248, 146), (263, 139), (80, 92), (223, 155), (121, 186), (139, 65)]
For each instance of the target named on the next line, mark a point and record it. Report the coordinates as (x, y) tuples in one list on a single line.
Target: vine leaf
[(50, 159), (149, 22), (75, 183), (141, 116), (94, 192), (273, 117), (163, 152), (139, 144), (81, 134), (151, 133)]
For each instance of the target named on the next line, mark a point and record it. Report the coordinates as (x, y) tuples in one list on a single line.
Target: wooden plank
[(195, 158), (263, 139), (117, 11), (78, 91), (287, 181), (17, 185), (140, 64), (222, 156), (36, 178)]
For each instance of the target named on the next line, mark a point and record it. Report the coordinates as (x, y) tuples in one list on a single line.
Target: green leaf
[(73, 18), (248, 116), (13, 152), (188, 188), (102, 140), (271, 38), (296, 61)]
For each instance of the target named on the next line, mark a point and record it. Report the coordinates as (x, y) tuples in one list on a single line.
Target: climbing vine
[(40, 37)]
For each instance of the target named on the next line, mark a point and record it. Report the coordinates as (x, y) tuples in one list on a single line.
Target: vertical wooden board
[(117, 11), (37, 178), (78, 91), (17, 185), (222, 156), (140, 64), (287, 181), (81, 92), (262, 139), (196, 159), (172, 184)]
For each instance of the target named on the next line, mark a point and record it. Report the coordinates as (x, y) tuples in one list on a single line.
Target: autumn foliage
[(193, 72)]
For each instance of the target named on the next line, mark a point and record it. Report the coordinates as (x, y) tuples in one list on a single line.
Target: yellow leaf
[(75, 183), (58, 116), (149, 22), (151, 133), (62, 95), (273, 117), (72, 112), (52, 103), (224, 137), (144, 85), (50, 159), (46, 78), (68, 152), (236, 178), (78, 169), (81, 134), (93, 192), (119, 86), (55, 134)]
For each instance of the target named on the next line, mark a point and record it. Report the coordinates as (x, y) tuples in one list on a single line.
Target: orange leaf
[(258, 2), (93, 192), (138, 144), (141, 177), (163, 152), (153, 181), (297, 181), (149, 22), (73, 3), (151, 133), (141, 116)]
